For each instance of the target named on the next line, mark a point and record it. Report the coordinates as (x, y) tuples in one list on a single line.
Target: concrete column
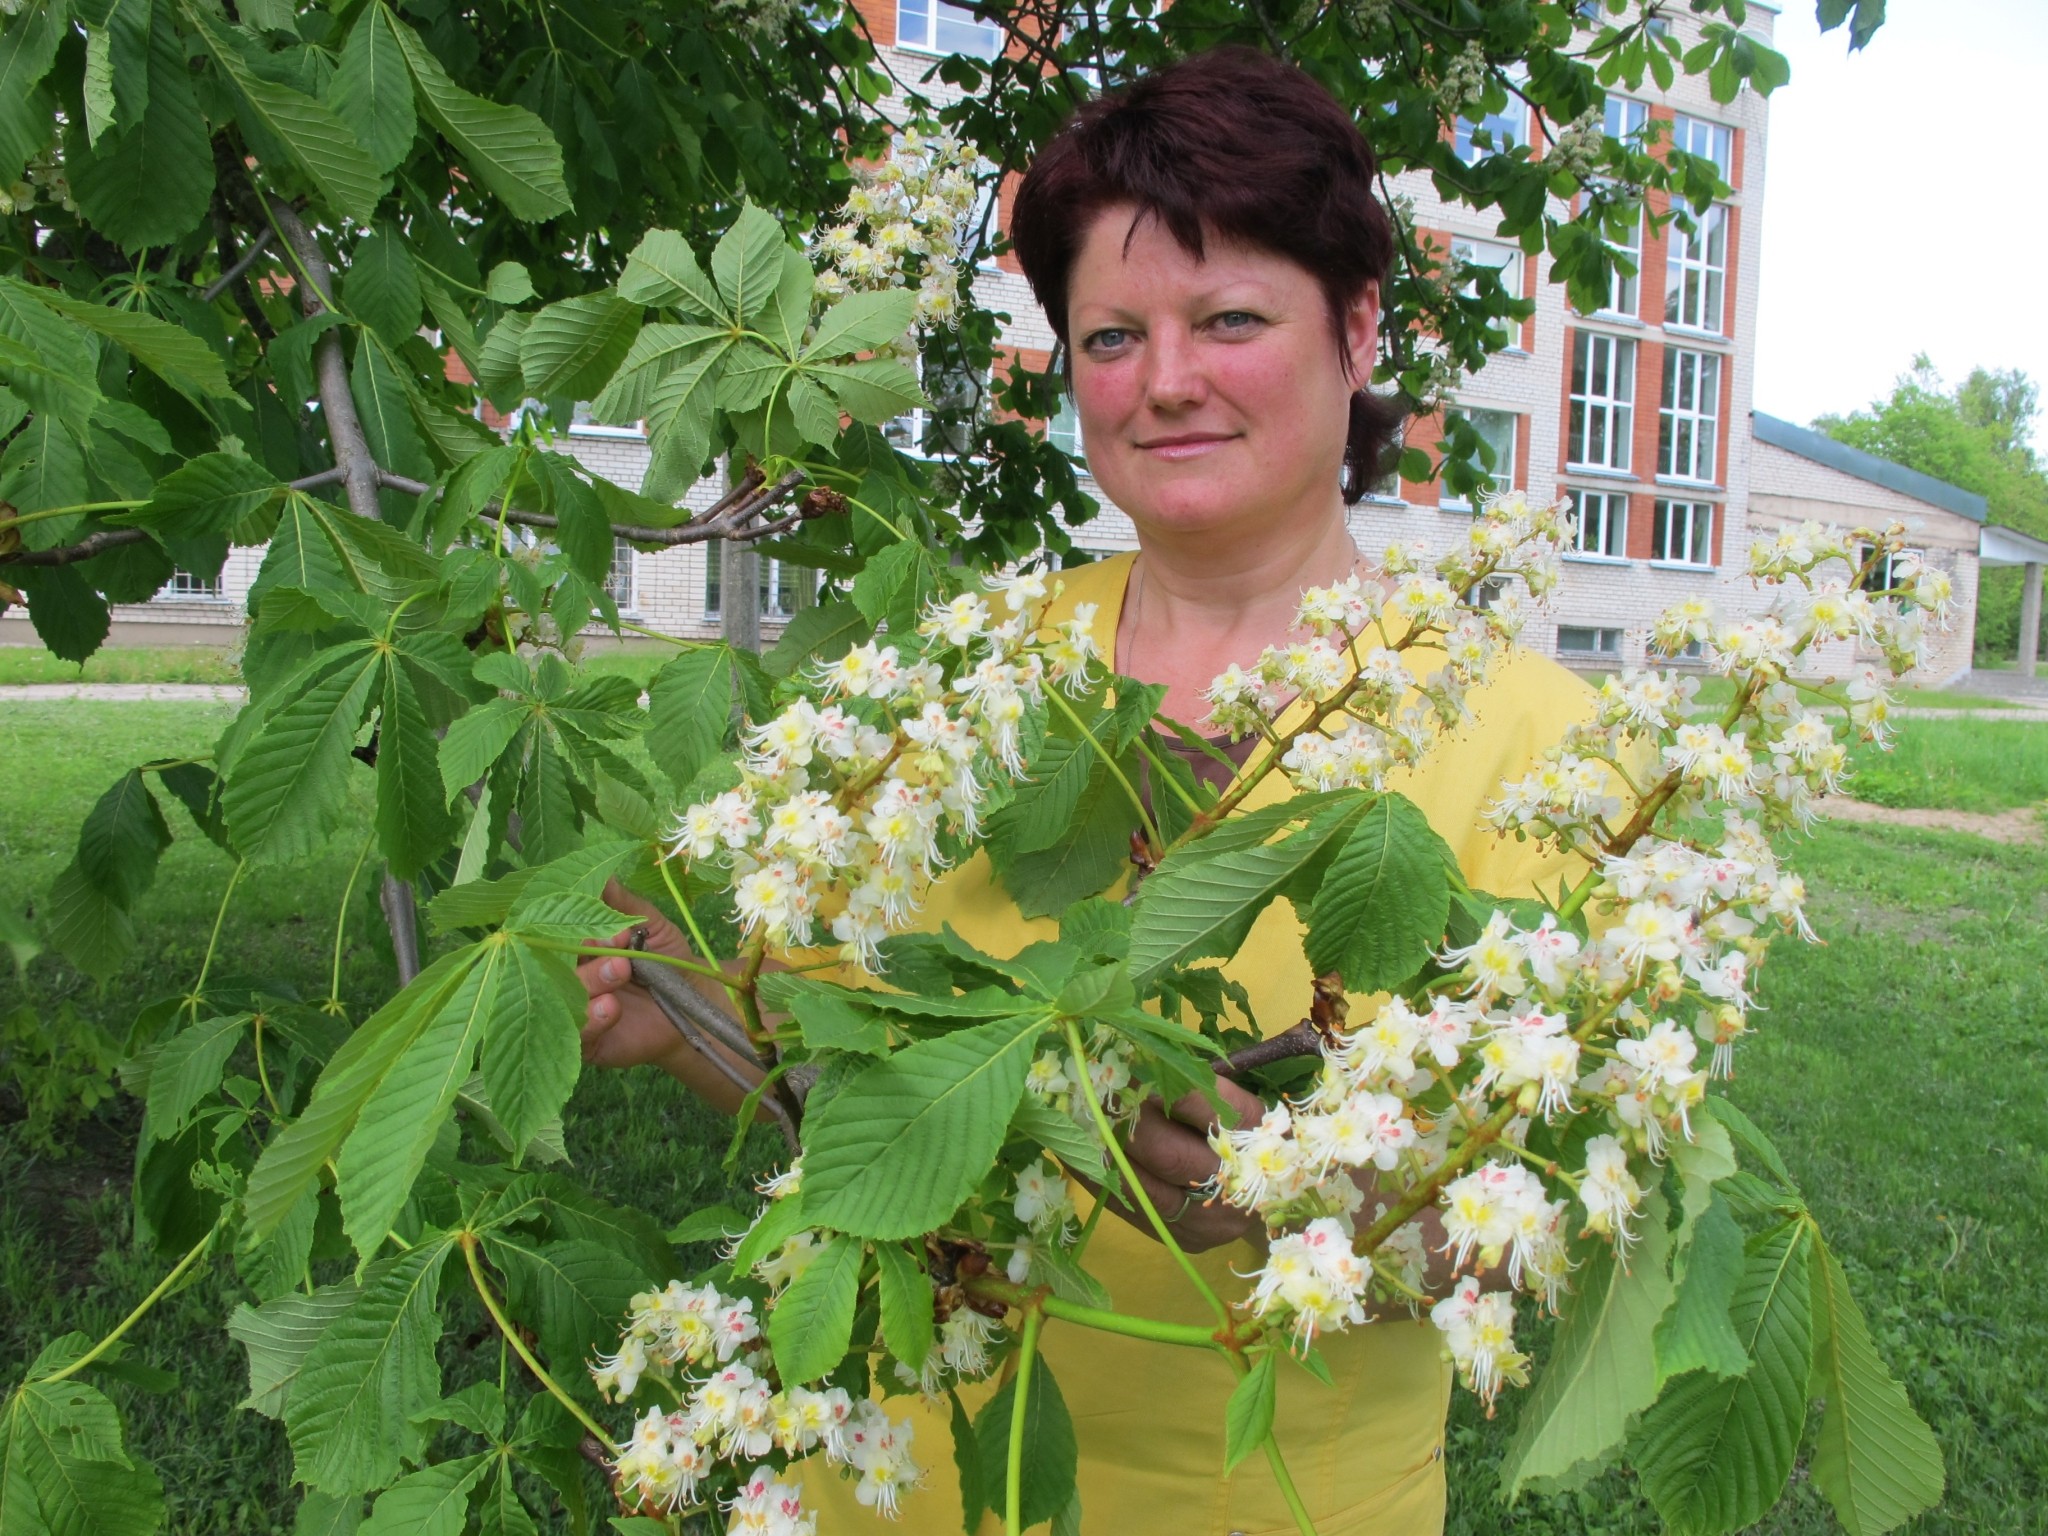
[(2030, 618)]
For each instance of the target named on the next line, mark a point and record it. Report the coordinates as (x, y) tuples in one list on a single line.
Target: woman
[(1209, 251)]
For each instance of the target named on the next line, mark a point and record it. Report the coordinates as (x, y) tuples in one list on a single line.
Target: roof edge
[(1824, 450)]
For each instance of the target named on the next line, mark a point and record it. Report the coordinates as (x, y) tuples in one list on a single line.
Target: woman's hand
[(624, 1027), (1170, 1150)]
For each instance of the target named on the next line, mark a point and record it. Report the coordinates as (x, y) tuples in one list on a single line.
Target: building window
[(781, 587), (1623, 287), (1582, 641), (1503, 129), (1602, 523), (1710, 141), (922, 433), (184, 587), (618, 581), (1603, 401), (1682, 533), (1496, 429), (1624, 119), (583, 422), (1688, 429), (1884, 575), (1064, 431), (1506, 260), (934, 26), (1696, 273)]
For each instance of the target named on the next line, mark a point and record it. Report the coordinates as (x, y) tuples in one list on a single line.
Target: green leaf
[(509, 149), (907, 1309), (433, 1501), (873, 390), (573, 347), (509, 283), (413, 823), (349, 1413), (286, 789), (123, 837), (88, 928), (898, 1150), (322, 1514), (1380, 911), (372, 91), (789, 312), (502, 1512), (1697, 1334), (1601, 1372), (1072, 1143), (861, 322), (572, 1292), (297, 1153), (747, 263), (690, 710), (476, 741), (181, 359), (1094, 851), (531, 1057), (1875, 1459), (376, 383), (28, 46), (149, 184), (829, 630), (967, 1463), (1714, 1454), (321, 143), (63, 1471), (1248, 1417), (663, 272), (212, 494), (279, 1335), (1193, 907), (400, 1118), (186, 1069), (1050, 1455), (382, 285), (812, 1324)]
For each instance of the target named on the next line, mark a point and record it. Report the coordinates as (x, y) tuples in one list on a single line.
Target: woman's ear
[(1362, 333)]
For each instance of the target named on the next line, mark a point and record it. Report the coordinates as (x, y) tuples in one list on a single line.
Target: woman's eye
[(1105, 341), (1236, 320)]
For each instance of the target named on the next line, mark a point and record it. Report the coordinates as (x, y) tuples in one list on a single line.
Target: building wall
[(1792, 489)]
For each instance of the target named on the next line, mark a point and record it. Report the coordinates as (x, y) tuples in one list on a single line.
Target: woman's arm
[(625, 1027)]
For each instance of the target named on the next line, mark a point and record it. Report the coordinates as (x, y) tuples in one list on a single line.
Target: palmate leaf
[(906, 1303), (70, 617), (88, 928), (382, 288), (285, 789), (1056, 778), (747, 263), (350, 1411), (181, 359), (574, 347), (1248, 1417), (509, 149), (293, 1160), (812, 1324), (476, 741), (873, 390), (1600, 1372), (1088, 857), (187, 1068), (123, 837), (1050, 1453), (1875, 1459), (572, 1292), (1380, 910), (1697, 1334), (1194, 907), (211, 494), (151, 180), (1714, 1454), (413, 821), (656, 351), (904, 1143), (433, 1501), (662, 272), (28, 46), (280, 1334), (400, 1118), (318, 140), (690, 710), (62, 1469), (372, 90), (531, 1056), (861, 322)]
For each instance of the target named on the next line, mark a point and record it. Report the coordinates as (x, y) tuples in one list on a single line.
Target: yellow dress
[(1366, 1455)]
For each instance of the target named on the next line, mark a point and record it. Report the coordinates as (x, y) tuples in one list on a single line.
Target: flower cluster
[(846, 807), (907, 223), (706, 1345)]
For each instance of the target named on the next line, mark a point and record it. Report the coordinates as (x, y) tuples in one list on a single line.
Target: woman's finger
[(1169, 1149), (619, 899), (1195, 1110), (605, 974)]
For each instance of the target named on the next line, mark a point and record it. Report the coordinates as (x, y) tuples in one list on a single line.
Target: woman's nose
[(1173, 379)]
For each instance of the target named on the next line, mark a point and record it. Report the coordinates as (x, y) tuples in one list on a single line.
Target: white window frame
[(581, 426), (1624, 117), (906, 432), (1513, 120), (1696, 274), (1506, 260), (1689, 419), (1605, 642), (1693, 521), (1064, 432), (936, 26), (781, 602), (1612, 408), (1624, 289), (1503, 472), (1885, 575), (184, 587), (622, 581), (1606, 511), (1709, 140)]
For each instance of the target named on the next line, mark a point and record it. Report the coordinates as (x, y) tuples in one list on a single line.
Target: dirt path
[(43, 693), (2023, 825)]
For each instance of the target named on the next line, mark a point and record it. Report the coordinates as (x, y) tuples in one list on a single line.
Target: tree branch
[(117, 538), (248, 259)]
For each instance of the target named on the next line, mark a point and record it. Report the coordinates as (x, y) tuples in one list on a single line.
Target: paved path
[(215, 693), (2023, 825)]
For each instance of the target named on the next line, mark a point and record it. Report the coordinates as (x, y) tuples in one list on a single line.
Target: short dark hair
[(1233, 144)]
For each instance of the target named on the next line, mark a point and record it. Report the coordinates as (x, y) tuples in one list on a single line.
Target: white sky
[(1905, 208)]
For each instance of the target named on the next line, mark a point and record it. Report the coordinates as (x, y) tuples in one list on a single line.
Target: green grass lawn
[(1718, 690), (1899, 1067), (1956, 765), (152, 664)]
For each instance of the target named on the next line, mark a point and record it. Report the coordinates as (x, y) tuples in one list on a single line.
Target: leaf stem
[(568, 947), (164, 1288), (1024, 1297), (213, 940), (1144, 815), (1123, 1163), (24, 519), (1013, 1470), (511, 1336), (341, 925)]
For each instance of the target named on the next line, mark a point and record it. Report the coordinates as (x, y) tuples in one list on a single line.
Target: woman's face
[(1210, 390)]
